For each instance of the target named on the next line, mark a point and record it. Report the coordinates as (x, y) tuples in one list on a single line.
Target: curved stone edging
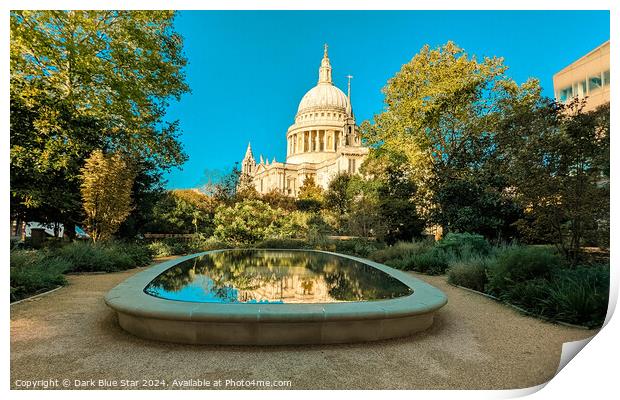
[(34, 296), (267, 324)]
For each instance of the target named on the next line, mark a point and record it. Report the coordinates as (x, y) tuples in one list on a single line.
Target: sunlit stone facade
[(322, 142)]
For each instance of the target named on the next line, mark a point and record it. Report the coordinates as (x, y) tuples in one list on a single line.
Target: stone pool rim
[(138, 312)]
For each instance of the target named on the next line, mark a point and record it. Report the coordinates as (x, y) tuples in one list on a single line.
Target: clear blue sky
[(249, 70)]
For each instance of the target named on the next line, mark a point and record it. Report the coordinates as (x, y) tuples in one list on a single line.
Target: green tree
[(245, 222), (148, 190), (183, 211), (107, 180), (276, 199), (310, 196), (558, 159), (45, 162), (338, 196), (395, 192), (86, 80), (441, 116)]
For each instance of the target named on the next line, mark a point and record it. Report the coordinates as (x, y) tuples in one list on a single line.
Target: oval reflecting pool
[(273, 297), (274, 276)]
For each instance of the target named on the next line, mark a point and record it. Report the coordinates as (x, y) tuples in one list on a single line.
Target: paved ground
[(474, 343)]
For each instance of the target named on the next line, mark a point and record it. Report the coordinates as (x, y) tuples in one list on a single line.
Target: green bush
[(517, 264), (247, 222), (356, 247), (33, 272), (103, 257), (579, 295), (471, 273), (160, 248), (399, 251), (432, 262), (464, 245), (529, 295), (179, 246), (139, 253), (433, 258), (281, 244)]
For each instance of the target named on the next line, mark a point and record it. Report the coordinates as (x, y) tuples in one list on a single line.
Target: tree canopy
[(82, 81), (441, 116)]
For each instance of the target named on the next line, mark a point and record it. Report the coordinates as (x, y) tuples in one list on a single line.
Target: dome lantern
[(325, 96), (325, 71)]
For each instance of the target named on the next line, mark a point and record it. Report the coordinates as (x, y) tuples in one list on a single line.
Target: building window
[(566, 94), (594, 82), (351, 166), (582, 89), (606, 78)]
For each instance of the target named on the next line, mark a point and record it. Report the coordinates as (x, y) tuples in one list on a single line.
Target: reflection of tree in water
[(248, 270), (175, 278), (349, 280)]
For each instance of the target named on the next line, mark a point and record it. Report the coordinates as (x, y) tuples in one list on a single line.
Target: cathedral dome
[(324, 96)]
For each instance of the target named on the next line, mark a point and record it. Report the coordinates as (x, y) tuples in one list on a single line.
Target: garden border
[(524, 311), (37, 295)]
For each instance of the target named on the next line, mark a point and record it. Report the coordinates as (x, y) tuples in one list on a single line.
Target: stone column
[(315, 136)]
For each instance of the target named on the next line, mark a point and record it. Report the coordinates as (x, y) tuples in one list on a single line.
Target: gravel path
[(475, 343)]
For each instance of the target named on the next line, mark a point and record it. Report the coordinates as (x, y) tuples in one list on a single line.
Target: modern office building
[(588, 77)]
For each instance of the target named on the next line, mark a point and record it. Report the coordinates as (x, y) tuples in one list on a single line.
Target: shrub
[(160, 248), (246, 222), (579, 295), (86, 256), (103, 257), (139, 253), (518, 264), (464, 244), (281, 244), (200, 243), (529, 295), (470, 273), (400, 250), (33, 272), (432, 262), (358, 247), (179, 246)]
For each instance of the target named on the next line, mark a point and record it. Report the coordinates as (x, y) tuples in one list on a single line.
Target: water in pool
[(274, 276)]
